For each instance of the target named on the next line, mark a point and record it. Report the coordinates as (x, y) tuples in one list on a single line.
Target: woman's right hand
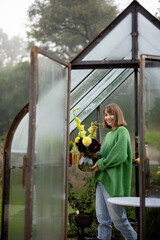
[(95, 168)]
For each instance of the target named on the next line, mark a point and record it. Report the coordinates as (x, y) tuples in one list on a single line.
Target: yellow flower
[(78, 121), (158, 172), (81, 127), (77, 139), (82, 134), (137, 160), (92, 131), (86, 141)]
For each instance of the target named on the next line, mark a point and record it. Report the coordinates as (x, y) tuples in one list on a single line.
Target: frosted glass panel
[(17, 192), (88, 83), (49, 173), (16, 206), (116, 45), (152, 145), (20, 141), (77, 76), (148, 41)]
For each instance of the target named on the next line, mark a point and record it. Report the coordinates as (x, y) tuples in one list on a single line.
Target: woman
[(112, 178)]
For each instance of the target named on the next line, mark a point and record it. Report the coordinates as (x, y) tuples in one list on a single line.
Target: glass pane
[(50, 169), (16, 206), (77, 76), (88, 83), (17, 190), (148, 41), (152, 146), (20, 142), (100, 93), (113, 47)]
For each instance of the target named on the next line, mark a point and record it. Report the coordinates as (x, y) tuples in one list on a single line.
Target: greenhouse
[(121, 65)]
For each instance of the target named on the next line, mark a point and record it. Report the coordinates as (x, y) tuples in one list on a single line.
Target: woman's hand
[(95, 168)]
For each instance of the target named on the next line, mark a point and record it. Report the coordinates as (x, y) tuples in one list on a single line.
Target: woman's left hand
[(95, 168)]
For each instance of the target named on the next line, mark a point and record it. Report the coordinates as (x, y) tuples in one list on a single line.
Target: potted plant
[(82, 203), (73, 231), (92, 232)]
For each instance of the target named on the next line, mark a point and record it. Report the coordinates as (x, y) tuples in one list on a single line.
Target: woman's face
[(109, 118)]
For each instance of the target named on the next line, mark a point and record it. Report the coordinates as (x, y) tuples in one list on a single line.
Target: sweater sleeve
[(117, 154)]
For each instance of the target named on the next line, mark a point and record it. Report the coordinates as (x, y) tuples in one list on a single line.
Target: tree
[(14, 82), (68, 26), (12, 51), (157, 15)]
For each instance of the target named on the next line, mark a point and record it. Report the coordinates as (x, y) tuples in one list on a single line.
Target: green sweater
[(115, 163)]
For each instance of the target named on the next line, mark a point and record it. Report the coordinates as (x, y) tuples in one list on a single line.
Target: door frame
[(143, 59)]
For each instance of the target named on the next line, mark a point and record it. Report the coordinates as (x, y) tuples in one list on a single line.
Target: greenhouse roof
[(111, 58)]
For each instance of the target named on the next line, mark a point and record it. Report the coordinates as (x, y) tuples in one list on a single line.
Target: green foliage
[(82, 201), (153, 115), (131, 212), (72, 229), (152, 223), (14, 85), (154, 139), (92, 231), (154, 178), (68, 26), (71, 144)]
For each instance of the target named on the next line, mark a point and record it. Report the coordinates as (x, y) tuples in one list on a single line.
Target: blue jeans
[(107, 213)]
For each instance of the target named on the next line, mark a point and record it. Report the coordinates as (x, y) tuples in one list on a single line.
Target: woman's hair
[(114, 109)]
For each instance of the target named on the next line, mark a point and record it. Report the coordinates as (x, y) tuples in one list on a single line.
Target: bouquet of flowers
[(86, 144)]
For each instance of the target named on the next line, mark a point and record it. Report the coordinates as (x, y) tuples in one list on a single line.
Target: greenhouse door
[(46, 168), (149, 145)]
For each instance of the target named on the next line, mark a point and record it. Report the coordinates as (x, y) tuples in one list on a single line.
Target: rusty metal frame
[(31, 138), (6, 171), (143, 60)]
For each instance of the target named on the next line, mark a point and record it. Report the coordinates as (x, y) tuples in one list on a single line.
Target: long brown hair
[(114, 109)]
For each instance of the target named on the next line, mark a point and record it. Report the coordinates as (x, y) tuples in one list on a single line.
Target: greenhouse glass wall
[(121, 65)]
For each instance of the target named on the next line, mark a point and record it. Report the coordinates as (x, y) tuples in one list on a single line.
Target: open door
[(35, 192), (149, 145), (47, 158)]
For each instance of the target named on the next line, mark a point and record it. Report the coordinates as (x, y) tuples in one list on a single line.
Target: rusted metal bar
[(67, 148), (37, 50), (31, 144), (106, 64), (142, 150), (98, 120)]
